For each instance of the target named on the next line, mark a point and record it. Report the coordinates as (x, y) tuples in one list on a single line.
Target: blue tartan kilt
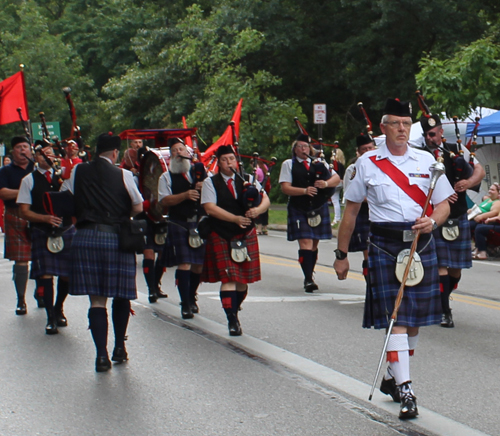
[(43, 262), (99, 268), (457, 253), (177, 249), (421, 304), (359, 237), (298, 228)]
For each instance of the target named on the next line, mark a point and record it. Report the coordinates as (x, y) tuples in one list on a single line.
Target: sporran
[(450, 229), (416, 272), (314, 218), (239, 252), (194, 239), (55, 244)]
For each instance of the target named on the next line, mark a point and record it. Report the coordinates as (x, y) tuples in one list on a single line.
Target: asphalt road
[(304, 365)]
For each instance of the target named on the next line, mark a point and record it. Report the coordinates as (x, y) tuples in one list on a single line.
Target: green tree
[(49, 65), (468, 79)]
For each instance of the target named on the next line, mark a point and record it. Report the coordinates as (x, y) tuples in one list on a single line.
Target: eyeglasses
[(396, 124), (430, 134)]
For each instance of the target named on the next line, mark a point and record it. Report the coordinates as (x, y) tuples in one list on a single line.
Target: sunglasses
[(430, 134)]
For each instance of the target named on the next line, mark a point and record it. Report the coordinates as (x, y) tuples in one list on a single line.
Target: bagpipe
[(318, 170), (251, 196), (369, 125), (75, 135), (39, 145), (461, 168)]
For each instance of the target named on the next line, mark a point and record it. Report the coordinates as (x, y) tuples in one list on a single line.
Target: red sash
[(398, 177)]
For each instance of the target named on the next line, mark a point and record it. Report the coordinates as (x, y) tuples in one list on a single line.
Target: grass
[(278, 215)]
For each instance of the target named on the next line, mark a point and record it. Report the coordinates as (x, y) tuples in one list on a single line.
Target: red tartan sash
[(398, 177)]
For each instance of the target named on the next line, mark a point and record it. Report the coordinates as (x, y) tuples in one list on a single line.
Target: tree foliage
[(145, 64)]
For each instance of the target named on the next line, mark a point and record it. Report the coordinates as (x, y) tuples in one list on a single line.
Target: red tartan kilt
[(17, 238), (219, 267)]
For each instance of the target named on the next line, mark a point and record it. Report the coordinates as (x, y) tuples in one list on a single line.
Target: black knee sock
[(306, 263), (314, 259), (229, 300), (98, 323), (45, 287), (159, 270), (20, 277), (182, 278), (454, 283), (194, 282), (444, 285), (241, 297), (120, 315), (148, 267), (62, 293)]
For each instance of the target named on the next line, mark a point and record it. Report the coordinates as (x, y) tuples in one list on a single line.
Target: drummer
[(179, 190)]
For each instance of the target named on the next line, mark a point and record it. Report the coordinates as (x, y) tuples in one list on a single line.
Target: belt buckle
[(408, 235)]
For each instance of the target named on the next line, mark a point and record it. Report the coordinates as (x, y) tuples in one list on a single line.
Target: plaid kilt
[(219, 267), (421, 304), (99, 268), (457, 253), (177, 249), (17, 238), (359, 237), (298, 228), (43, 261)]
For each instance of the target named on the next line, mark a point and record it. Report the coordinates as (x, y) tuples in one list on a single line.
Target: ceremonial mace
[(437, 170)]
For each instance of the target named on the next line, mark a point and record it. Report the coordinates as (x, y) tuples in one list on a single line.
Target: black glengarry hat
[(108, 142), (18, 140), (304, 138), (172, 141), (362, 139), (224, 149), (397, 108), (428, 122)]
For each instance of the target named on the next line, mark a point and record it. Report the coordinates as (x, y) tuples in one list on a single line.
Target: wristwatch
[(434, 224), (340, 255)]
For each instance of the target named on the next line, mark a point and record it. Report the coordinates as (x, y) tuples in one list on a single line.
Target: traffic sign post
[(52, 126), (320, 118)]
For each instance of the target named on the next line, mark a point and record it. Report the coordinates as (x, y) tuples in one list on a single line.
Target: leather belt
[(107, 228), (397, 235)]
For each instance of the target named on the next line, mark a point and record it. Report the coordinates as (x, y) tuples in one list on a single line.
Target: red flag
[(13, 96), (227, 136), (188, 139)]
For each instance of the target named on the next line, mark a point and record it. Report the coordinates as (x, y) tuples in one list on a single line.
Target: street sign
[(52, 126), (320, 114)]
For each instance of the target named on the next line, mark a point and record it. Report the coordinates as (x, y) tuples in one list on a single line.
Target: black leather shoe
[(388, 387), (61, 319), (447, 320), (310, 286), (186, 311), (194, 307), (21, 308), (152, 297), (161, 294), (234, 325), (119, 355), (51, 327), (102, 364), (408, 408)]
